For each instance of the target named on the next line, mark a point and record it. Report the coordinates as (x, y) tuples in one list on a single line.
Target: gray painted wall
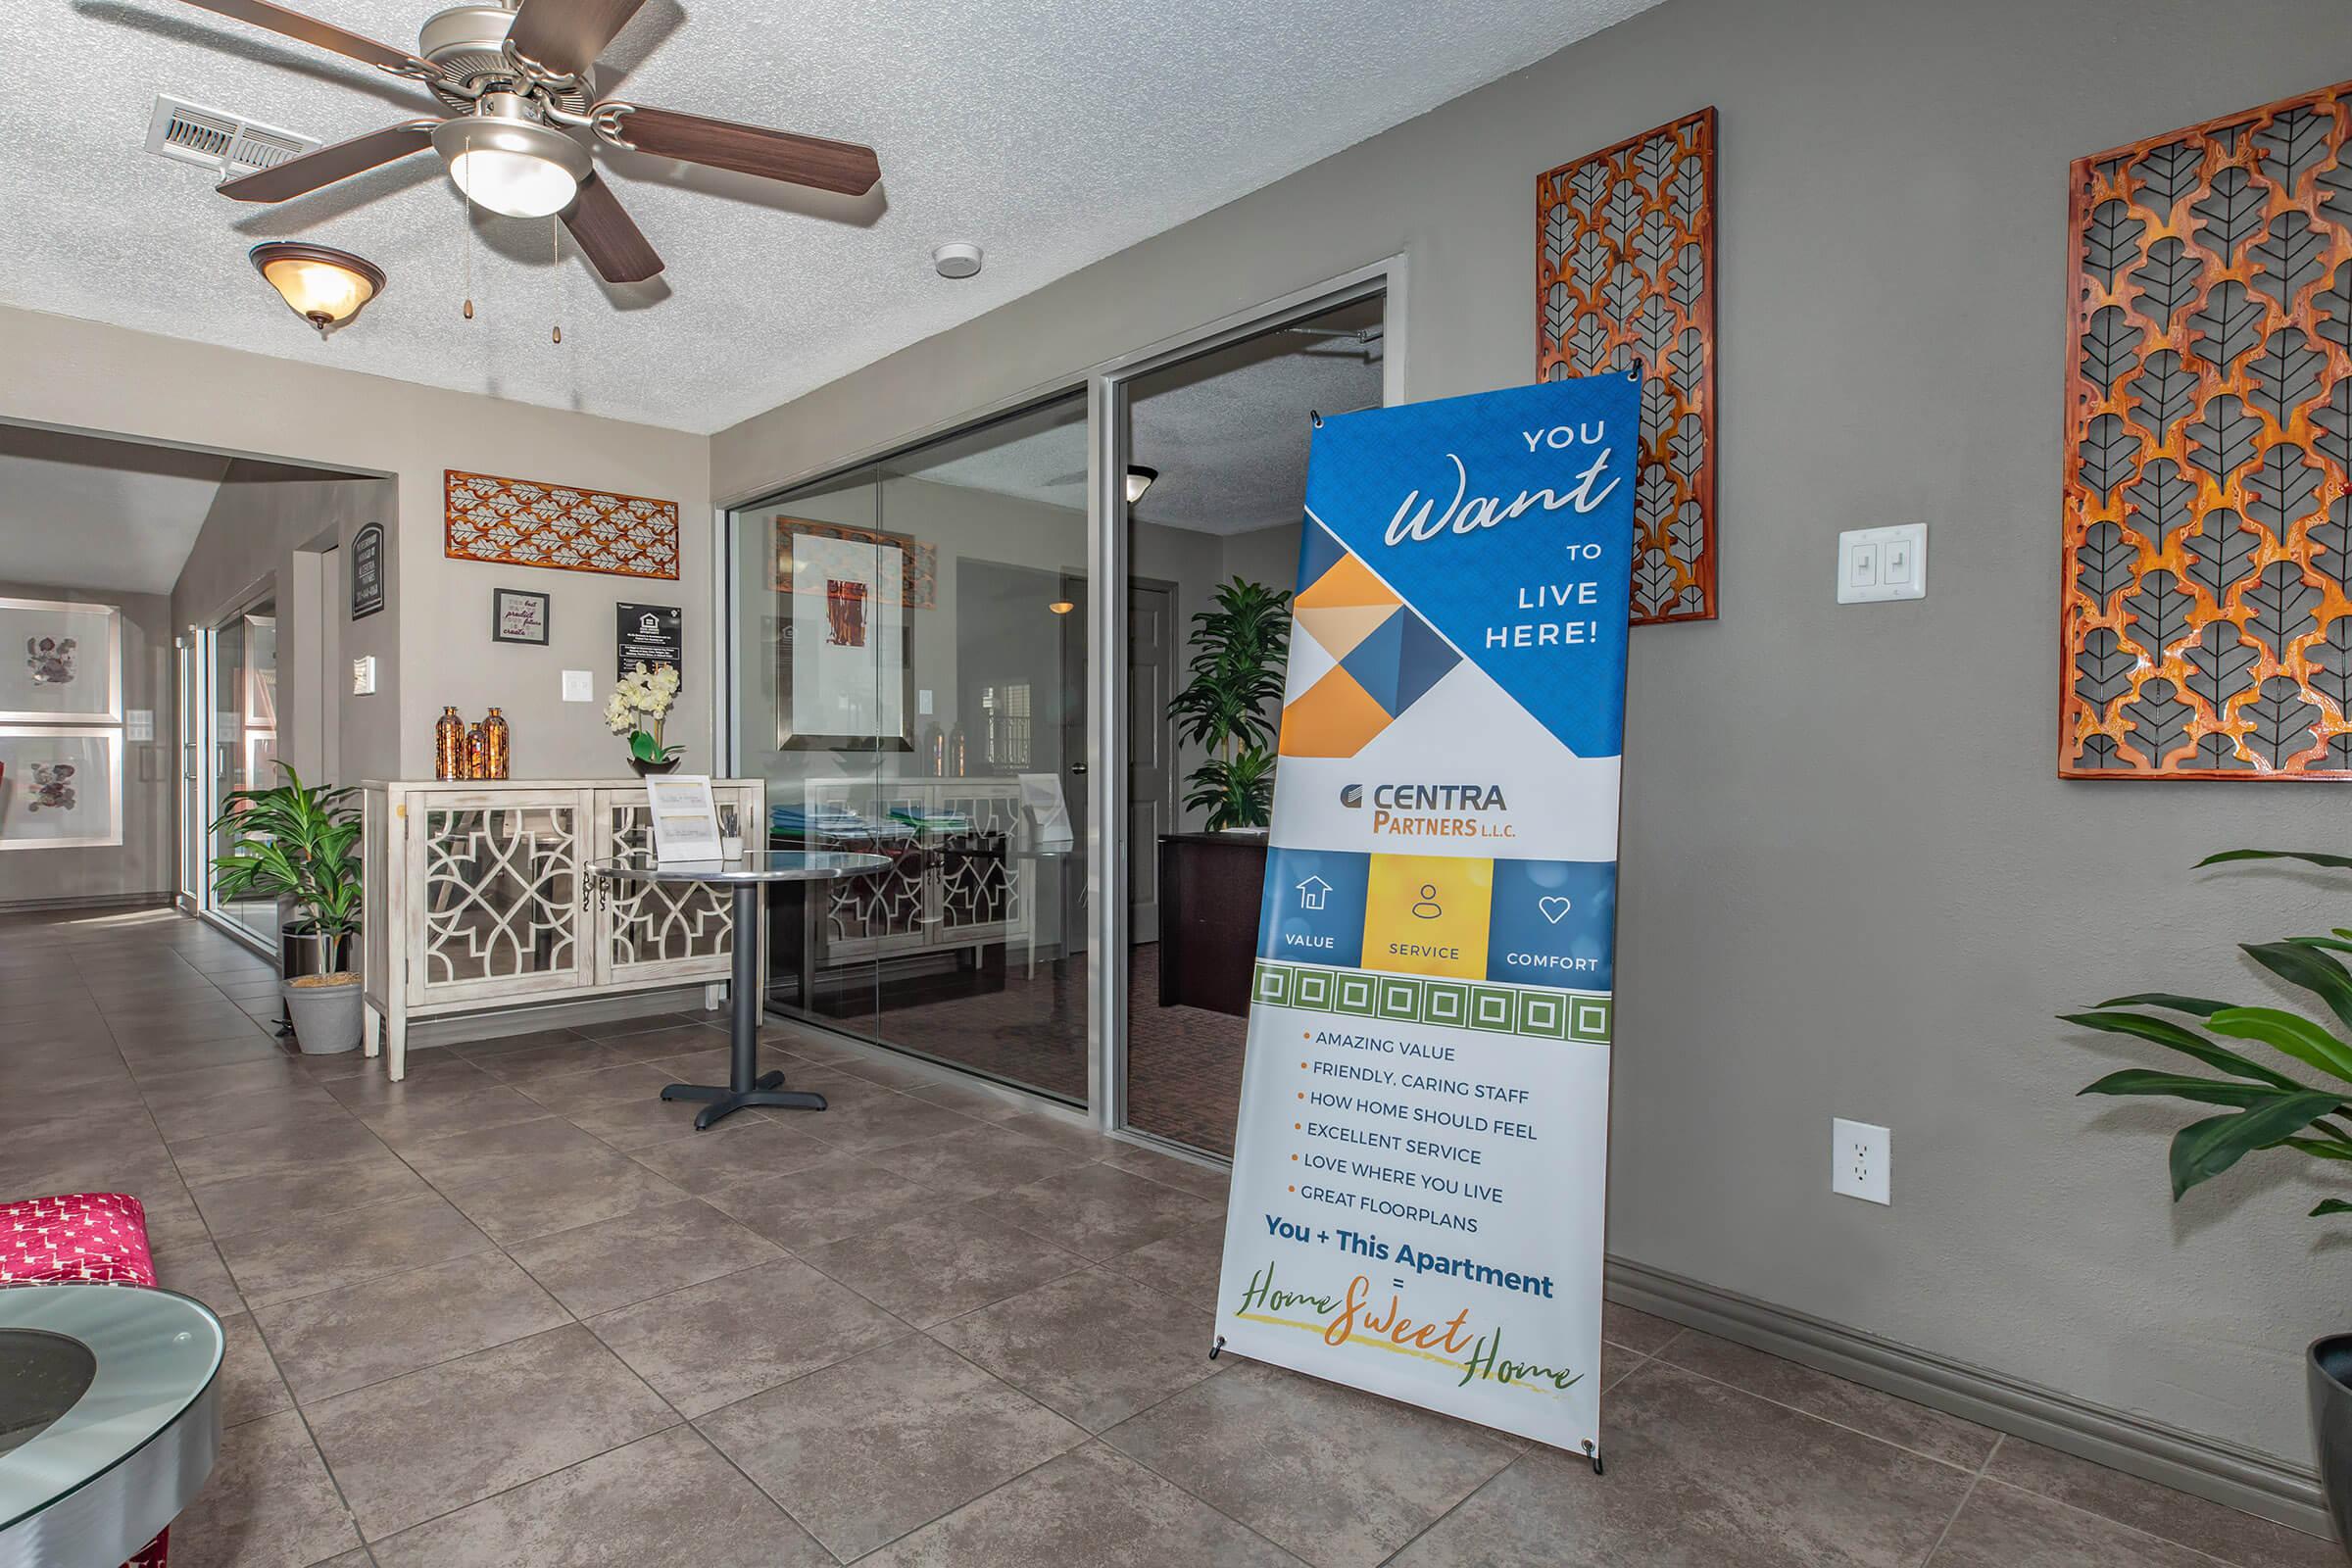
[(142, 865), (437, 614), (1853, 884)]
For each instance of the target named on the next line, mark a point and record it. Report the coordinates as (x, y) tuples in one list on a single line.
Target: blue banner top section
[(1506, 518)]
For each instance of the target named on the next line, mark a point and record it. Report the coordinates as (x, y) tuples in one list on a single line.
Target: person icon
[(1429, 909)]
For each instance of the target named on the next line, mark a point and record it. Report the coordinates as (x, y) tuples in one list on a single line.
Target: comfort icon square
[(1427, 914), (1552, 923)]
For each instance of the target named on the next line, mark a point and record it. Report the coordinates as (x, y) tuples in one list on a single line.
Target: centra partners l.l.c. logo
[(1351, 796)]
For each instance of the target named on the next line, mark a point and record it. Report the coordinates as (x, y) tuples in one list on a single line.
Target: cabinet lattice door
[(501, 911)]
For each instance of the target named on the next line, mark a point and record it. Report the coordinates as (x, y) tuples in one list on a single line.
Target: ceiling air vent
[(224, 143)]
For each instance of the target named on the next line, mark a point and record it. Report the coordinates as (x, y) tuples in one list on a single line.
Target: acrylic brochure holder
[(685, 820)]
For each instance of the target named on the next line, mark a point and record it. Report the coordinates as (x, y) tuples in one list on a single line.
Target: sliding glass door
[(910, 678), (231, 689)]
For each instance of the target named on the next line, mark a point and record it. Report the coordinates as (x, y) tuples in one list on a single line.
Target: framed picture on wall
[(61, 788), (844, 665), (60, 663), (517, 616)]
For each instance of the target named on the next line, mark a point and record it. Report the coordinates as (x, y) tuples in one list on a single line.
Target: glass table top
[(91, 1376)]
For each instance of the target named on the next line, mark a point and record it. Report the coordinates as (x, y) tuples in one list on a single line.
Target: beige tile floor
[(516, 1311)]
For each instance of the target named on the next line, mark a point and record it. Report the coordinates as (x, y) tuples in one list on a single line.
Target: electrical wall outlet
[(1859, 1160), (579, 686)]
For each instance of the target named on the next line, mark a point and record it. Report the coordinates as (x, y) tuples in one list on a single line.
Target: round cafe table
[(109, 1419), (747, 877)]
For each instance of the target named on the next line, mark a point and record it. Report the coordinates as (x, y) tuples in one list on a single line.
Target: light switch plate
[(1880, 564), (1860, 1156), (363, 676), (579, 686)]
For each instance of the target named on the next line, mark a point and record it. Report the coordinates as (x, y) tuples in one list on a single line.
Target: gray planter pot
[(2329, 1370), (326, 1019)]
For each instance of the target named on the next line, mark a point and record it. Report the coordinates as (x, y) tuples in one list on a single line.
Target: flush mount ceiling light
[(1139, 481), (957, 258), (506, 159), (324, 287), (1061, 606)]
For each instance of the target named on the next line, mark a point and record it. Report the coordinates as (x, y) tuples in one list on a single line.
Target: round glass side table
[(109, 1419)]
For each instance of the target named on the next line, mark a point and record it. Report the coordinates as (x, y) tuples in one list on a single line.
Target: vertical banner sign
[(1419, 1172)]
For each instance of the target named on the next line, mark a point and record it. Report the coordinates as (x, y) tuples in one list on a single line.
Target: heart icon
[(1556, 908)]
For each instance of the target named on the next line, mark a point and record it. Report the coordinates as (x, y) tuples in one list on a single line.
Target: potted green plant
[(1233, 702), (1211, 882), (641, 699), (300, 843), (2263, 1108)]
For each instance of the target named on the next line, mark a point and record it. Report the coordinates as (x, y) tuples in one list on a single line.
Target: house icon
[(1313, 892)]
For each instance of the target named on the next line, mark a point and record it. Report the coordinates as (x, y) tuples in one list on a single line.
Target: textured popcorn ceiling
[(1052, 132)]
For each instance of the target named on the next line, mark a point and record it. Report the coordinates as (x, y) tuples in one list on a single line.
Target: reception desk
[(477, 898)]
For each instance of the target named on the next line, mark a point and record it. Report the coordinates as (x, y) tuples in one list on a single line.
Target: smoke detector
[(215, 139), (957, 258)]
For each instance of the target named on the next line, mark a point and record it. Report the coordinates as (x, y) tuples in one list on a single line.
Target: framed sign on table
[(61, 787), (60, 663), (844, 665)]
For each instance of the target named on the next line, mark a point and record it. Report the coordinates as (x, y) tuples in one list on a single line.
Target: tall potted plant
[(1211, 882), (300, 843), (2306, 1113), (1231, 705)]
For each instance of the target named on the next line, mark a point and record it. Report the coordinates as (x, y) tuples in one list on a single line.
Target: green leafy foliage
[(1233, 702), (2267, 1109), (298, 842)]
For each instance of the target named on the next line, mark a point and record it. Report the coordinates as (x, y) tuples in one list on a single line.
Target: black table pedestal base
[(767, 1089)]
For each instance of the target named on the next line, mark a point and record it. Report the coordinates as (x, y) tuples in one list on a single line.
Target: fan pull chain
[(555, 236), (469, 242)]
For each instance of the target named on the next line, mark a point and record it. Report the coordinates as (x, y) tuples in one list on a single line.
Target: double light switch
[(1876, 563)]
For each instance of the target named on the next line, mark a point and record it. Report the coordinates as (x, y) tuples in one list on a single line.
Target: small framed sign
[(367, 571), (650, 635), (517, 616)]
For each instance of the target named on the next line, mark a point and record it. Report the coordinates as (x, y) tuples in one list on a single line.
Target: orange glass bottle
[(497, 745), (449, 745), (478, 753)]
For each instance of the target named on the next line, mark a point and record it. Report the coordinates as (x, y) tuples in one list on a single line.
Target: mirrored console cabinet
[(478, 899)]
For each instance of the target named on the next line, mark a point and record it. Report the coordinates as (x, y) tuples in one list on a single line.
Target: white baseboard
[(2241, 1478)]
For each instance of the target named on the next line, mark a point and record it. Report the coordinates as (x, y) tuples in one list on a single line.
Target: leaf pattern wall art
[(2207, 628), (526, 523), (1624, 270)]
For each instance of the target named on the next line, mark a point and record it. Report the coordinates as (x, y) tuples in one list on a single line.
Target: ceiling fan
[(514, 84)]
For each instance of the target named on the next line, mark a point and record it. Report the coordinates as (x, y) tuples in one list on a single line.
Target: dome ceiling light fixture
[(1139, 481), (324, 287), (517, 109)]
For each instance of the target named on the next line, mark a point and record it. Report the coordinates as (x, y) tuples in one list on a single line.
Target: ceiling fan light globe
[(514, 184), (510, 162)]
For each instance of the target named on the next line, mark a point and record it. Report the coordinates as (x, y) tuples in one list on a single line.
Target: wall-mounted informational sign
[(1419, 1178), (650, 635), (366, 571)]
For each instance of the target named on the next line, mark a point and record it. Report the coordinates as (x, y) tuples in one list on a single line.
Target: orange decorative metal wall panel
[(2207, 632), (1625, 273), (524, 522)]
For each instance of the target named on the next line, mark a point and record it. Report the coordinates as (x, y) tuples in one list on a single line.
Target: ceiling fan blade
[(608, 237), (835, 166), (324, 34), (298, 176), (566, 35)]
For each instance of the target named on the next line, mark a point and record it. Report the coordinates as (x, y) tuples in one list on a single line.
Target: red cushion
[(92, 1237)]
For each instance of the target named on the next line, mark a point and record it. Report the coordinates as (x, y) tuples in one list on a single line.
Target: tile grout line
[(1965, 1493)]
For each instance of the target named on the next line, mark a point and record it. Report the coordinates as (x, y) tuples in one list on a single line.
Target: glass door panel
[(242, 749), (1217, 451), (912, 667)]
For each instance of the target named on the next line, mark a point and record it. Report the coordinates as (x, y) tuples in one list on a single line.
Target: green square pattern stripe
[(1532, 1011)]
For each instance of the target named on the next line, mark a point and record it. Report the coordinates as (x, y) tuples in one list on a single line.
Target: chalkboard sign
[(367, 571), (650, 635)]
